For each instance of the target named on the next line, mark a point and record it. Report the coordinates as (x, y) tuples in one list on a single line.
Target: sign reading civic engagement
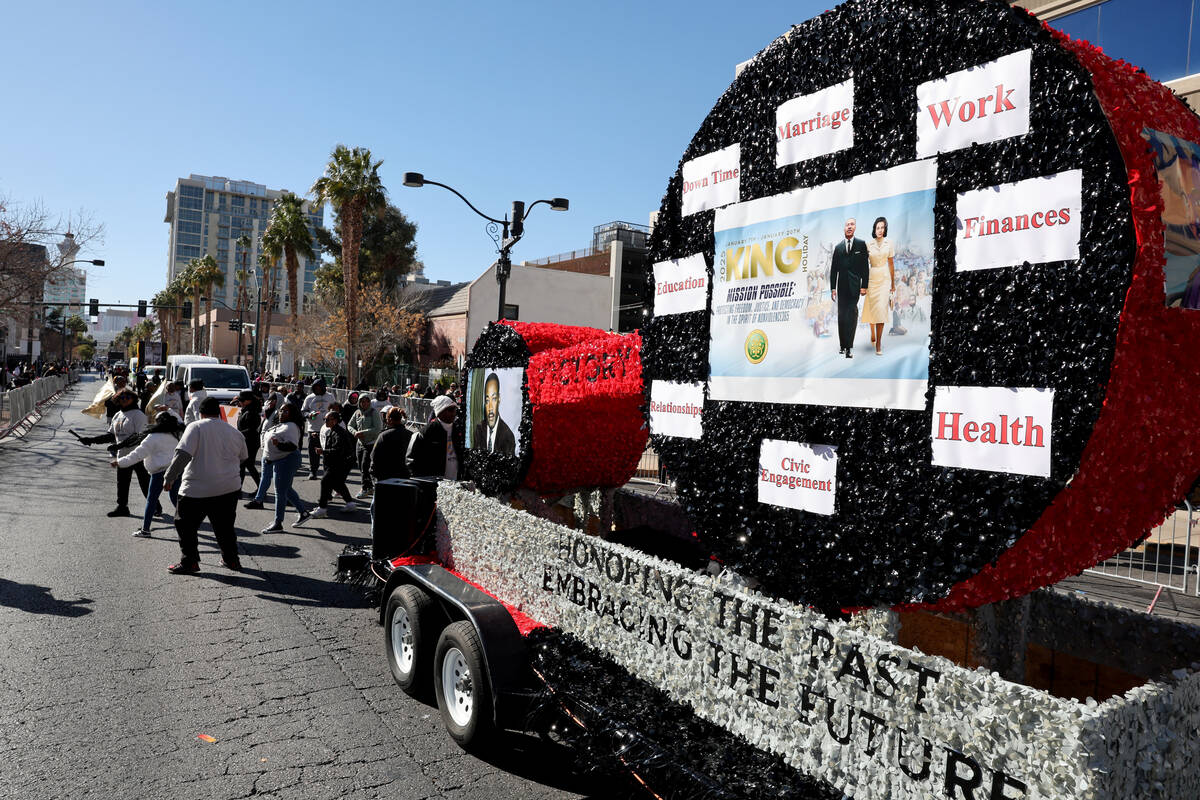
[(675, 409), (680, 285), (993, 428), (982, 104), (795, 475), (774, 333), (1033, 221), (494, 410), (1177, 162)]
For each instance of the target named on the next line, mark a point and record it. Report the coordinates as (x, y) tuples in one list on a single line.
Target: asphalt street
[(112, 668)]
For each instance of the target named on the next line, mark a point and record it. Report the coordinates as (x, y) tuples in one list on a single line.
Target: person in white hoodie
[(155, 450), (196, 395)]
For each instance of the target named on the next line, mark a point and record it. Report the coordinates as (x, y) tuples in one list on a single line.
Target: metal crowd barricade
[(418, 410), (1167, 558), (19, 406)]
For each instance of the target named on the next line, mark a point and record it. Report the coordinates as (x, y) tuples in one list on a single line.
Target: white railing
[(18, 406), (1166, 558)]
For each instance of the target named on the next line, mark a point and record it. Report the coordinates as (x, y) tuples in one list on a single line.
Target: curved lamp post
[(510, 230)]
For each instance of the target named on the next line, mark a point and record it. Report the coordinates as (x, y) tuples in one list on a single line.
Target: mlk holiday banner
[(775, 328)]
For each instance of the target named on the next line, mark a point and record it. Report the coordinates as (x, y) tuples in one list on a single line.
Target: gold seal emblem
[(756, 346)]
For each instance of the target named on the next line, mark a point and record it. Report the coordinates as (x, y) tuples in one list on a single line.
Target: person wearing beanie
[(315, 407), (433, 451)]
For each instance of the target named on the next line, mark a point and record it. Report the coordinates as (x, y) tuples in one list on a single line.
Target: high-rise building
[(1154, 36), (66, 285), (208, 214)]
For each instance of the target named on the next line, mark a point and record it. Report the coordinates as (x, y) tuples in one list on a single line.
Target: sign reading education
[(774, 332), (993, 428), (1033, 221), (815, 124), (982, 104), (680, 285), (712, 180), (675, 409), (796, 475)]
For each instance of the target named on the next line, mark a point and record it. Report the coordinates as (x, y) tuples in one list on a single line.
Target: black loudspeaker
[(394, 526), (426, 503)]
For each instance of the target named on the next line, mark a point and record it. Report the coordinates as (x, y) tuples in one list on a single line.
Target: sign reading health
[(934, 243)]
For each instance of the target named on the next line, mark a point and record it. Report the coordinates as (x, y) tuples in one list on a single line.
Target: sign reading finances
[(776, 331), (910, 226)]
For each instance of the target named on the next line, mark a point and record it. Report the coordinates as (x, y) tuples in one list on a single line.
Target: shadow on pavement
[(38, 600), (281, 587), (537, 759)]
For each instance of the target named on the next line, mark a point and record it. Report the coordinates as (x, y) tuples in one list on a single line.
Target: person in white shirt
[(208, 459), (314, 409), (281, 458), (197, 396), (155, 451), (123, 431)]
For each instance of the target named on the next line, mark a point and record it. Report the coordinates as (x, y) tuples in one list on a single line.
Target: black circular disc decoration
[(901, 529)]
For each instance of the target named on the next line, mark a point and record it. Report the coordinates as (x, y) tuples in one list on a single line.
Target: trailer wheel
[(409, 644), (460, 682)]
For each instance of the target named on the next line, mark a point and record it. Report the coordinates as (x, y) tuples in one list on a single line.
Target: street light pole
[(505, 242)]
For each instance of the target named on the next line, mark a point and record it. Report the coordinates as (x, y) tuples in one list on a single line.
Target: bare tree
[(27, 258)]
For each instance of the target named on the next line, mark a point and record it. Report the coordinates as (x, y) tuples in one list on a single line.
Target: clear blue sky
[(108, 104)]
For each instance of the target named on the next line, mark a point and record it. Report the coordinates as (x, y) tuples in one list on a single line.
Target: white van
[(222, 381), (175, 364)]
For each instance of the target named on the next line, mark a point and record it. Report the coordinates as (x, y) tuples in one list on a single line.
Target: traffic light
[(187, 310), (141, 308), (93, 307)]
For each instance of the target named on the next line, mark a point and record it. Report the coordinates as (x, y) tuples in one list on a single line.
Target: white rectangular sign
[(986, 103), (1032, 221), (675, 409), (778, 333), (815, 124), (996, 429), (680, 285), (796, 475), (712, 180)]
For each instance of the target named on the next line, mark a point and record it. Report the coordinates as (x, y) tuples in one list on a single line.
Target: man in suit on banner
[(849, 273), (492, 433)]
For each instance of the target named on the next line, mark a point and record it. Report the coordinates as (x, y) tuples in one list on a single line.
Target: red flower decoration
[(1143, 453)]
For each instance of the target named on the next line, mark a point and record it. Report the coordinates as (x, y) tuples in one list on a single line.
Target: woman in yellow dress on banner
[(881, 254)]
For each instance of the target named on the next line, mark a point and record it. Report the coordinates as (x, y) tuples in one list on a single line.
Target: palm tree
[(268, 267), (288, 233), (206, 275), (243, 289), (163, 303), (352, 186), (187, 288)]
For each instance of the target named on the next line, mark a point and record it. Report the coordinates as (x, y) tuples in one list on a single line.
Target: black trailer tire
[(409, 628), (460, 682)]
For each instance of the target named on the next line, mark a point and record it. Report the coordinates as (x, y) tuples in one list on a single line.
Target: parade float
[(1026, 417)]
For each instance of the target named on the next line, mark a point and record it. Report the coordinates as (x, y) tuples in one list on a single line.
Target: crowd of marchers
[(180, 442)]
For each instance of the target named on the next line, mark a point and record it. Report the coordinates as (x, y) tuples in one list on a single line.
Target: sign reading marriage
[(778, 323)]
